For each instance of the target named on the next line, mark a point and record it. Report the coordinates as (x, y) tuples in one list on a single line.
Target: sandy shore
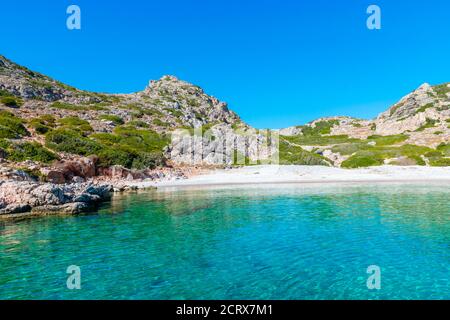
[(267, 174)]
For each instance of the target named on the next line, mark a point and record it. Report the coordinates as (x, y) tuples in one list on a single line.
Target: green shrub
[(440, 162), (193, 103), (418, 159), (7, 133), (71, 141), (114, 156), (75, 123), (4, 93), (131, 148), (289, 154), (442, 90), (174, 112), (349, 148), (148, 160), (30, 151), (107, 139), (432, 154), (425, 107), (429, 123), (138, 124), (321, 127), (67, 106), (444, 148), (115, 119), (141, 140), (362, 160), (40, 128), (318, 140), (42, 124), (72, 121), (97, 107), (388, 140), (11, 101), (4, 144), (160, 123), (11, 127), (375, 155)]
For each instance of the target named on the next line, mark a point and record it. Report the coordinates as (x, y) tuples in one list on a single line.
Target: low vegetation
[(43, 124), (442, 90), (9, 100), (127, 146), (376, 155), (74, 107), (425, 107), (76, 124), (27, 151), (113, 118), (429, 123), (318, 140), (11, 127), (289, 154)]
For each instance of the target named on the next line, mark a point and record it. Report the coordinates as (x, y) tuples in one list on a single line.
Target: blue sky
[(276, 62)]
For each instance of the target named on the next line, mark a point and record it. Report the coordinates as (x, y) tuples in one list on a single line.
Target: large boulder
[(18, 197), (56, 177), (81, 167)]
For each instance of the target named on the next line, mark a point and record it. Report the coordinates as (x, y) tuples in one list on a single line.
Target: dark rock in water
[(68, 208), (18, 197), (87, 198), (15, 208), (103, 191)]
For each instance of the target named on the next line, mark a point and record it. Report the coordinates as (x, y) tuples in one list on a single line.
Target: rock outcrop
[(19, 197)]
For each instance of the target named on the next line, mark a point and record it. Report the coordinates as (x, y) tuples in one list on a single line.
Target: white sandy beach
[(272, 174)]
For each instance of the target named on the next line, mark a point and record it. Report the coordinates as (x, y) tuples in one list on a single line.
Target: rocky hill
[(56, 132), (414, 131)]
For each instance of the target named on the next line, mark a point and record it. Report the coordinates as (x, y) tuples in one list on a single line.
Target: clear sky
[(277, 63)]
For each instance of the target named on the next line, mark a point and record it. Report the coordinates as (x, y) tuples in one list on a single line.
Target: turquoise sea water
[(267, 242)]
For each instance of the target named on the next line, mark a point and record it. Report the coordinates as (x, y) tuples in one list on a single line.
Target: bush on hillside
[(113, 118), (71, 141), (11, 127), (11, 101), (30, 151)]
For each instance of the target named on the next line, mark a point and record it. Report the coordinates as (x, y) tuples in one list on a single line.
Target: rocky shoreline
[(22, 199), (23, 196)]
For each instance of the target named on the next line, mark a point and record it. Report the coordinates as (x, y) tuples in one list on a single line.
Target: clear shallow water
[(283, 242)]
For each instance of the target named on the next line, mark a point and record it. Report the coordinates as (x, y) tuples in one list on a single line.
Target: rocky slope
[(414, 131)]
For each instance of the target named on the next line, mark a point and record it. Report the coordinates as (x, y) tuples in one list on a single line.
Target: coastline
[(25, 199), (293, 174)]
